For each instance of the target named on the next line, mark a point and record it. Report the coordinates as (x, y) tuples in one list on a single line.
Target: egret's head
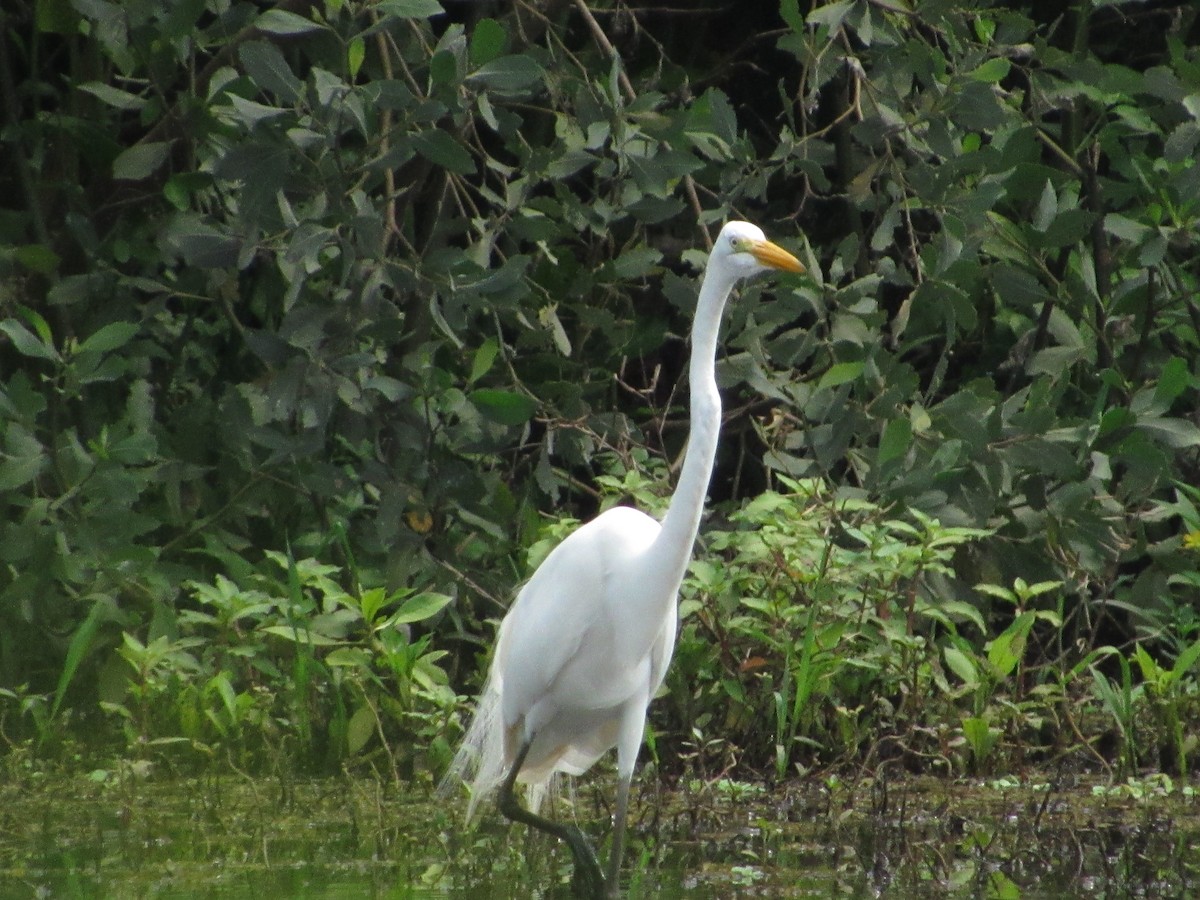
[(745, 250)]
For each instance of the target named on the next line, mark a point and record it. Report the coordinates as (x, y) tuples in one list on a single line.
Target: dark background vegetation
[(321, 321)]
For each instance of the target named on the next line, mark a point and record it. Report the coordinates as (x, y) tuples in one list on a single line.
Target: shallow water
[(138, 836)]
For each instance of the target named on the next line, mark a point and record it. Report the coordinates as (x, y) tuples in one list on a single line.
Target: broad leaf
[(508, 73), (505, 407), (439, 147), (419, 607), (26, 343), (141, 161), (110, 337), (283, 22), (411, 9)]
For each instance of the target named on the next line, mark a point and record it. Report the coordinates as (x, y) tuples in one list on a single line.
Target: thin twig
[(607, 46), (385, 127), (689, 185)]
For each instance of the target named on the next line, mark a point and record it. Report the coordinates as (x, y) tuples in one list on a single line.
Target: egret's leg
[(588, 880), (618, 840), (629, 741)]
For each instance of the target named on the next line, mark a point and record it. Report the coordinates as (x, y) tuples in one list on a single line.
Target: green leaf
[(22, 460), (40, 325), (280, 21), (488, 41), (1054, 361), (26, 343), (508, 73), (443, 68), (502, 279), (1177, 434), (958, 611), (789, 11), (1124, 228), (348, 657), (637, 262), (300, 635), (489, 114), (839, 374), (81, 643), (1152, 672), (249, 112), (371, 602), (1181, 145), (209, 251), (992, 71), (548, 317), (411, 9), (1008, 241), (484, 357), (110, 337), (359, 729), (978, 734), (140, 161), (1007, 649), (897, 438), (223, 687), (114, 97), (1173, 380), (961, 665), (179, 190), (440, 148), (1047, 208), (267, 68), (1185, 660), (1036, 589), (37, 258), (1068, 227), (419, 607), (505, 407), (830, 15), (356, 53)]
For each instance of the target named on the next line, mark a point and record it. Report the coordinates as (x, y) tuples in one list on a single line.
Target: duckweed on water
[(131, 836)]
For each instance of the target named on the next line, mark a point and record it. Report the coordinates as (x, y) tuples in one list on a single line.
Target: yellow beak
[(776, 257)]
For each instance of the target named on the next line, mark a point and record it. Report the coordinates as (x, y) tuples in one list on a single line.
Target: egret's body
[(572, 715), (586, 644)]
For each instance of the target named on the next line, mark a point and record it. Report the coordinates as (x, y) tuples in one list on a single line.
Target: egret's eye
[(736, 244)]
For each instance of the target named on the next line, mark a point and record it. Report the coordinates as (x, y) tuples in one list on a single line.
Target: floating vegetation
[(351, 837)]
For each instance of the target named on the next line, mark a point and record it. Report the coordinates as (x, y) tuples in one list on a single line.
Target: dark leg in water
[(588, 881)]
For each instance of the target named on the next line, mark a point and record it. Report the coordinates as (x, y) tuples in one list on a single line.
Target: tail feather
[(481, 760)]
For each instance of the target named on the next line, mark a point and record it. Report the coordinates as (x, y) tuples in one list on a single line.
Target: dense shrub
[(385, 284)]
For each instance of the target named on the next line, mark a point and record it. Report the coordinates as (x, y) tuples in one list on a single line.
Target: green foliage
[(354, 279), (1173, 698), (1120, 700), (288, 665), (817, 614)]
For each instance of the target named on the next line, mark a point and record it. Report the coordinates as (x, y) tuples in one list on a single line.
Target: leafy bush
[(291, 666), (355, 278), (813, 623)]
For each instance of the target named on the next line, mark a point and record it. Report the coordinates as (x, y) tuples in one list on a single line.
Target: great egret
[(586, 644)]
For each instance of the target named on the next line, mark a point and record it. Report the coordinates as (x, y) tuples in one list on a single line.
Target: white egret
[(586, 644)]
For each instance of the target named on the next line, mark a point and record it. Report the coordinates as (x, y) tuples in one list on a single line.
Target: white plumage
[(587, 643)]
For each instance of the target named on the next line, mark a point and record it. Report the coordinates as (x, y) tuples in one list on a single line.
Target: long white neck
[(673, 547)]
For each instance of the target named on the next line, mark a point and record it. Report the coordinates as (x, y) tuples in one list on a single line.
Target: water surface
[(141, 835)]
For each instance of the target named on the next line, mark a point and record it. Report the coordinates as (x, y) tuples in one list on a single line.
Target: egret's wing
[(552, 617)]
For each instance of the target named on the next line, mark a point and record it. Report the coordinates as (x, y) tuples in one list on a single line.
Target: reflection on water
[(978, 838), (230, 837)]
